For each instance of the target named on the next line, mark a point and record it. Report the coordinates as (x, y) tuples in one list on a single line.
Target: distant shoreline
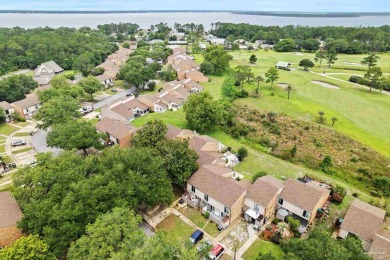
[(261, 13)]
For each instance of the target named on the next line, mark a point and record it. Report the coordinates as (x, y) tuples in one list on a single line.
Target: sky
[(251, 5)]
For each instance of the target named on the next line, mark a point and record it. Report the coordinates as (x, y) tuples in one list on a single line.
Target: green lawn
[(264, 247), (22, 150), (361, 115), (6, 158), (197, 217), (21, 123), (176, 118), (21, 134), (2, 148), (177, 231), (7, 129)]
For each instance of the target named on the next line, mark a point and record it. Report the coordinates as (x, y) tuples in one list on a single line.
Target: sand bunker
[(352, 63), (324, 84), (283, 85), (298, 53)]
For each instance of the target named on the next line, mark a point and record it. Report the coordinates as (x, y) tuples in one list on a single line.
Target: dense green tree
[(306, 63), (179, 160), (3, 116), (90, 85), (73, 134), (15, 88), (207, 68), (108, 235), (60, 87), (374, 75), (320, 55), (97, 71), (272, 75), (253, 59), (371, 60), (330, 56), (61, 195), (339, 45), (310, 44), (84, 63), (285, 45), (58, 110), (243, 152), (126, 45), (150, 135), (218, 57), (202, 112), (27, 248)]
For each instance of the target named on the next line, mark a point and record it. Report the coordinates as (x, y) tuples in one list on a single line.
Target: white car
[(18, 143)]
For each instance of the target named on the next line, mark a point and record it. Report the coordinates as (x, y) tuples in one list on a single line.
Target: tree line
[(69, 47), (349, 39)]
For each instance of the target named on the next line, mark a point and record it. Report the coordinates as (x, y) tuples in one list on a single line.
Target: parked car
[(129, 95), (203, 245), (196, 236), (18, 143), (216, 252)]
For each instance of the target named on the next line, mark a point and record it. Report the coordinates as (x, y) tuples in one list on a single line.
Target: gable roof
[(10, 212), (262, 192), (282, 64), (105, 76), (29, 101), (115, 128), (380, 247), (43, 79), (5, 105), (217, 169), (273, 181), (302, 195), (363, 220), (172, 132), (123, 110), (53, 65), (135, 103), (224, 190)]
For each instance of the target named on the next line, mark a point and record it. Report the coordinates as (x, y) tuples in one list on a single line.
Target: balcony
[(217, 218)]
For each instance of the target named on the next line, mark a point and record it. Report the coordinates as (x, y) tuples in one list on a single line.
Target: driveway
[(39, 143), (114, 98)]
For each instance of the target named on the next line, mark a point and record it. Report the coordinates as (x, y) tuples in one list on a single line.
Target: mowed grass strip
[(21, 134), (22, 150), (7, 129)]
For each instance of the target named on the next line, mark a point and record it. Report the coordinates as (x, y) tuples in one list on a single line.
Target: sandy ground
[(283, 85), (324, 84), (298, 53), (237, 236), (352, 63)]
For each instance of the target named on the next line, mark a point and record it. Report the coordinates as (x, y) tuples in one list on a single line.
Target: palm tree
[(259, 79), (283, 230), (334, 119), (289, 89)]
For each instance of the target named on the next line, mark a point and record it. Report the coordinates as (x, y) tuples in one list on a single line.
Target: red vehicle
[(216, 252)]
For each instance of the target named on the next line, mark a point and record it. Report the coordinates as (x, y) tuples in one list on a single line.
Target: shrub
[(242, 94), (382, 183), (151, 85), (243, 152), (207, 214), (375, 193), (355, 194), (276, 221), (97, 71), (294, 223), (258, 175)]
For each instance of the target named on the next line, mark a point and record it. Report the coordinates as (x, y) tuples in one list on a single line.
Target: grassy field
[(2, 148), (21, 134), (177, 231), (361, 115), (6, 129), (264, 247)]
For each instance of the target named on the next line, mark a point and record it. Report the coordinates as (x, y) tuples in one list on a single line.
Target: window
[(226, 210), (305, 214), (193, 189), (206, 197), (256, 207), (280, 201)]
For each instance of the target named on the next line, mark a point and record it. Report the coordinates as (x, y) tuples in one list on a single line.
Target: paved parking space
[(25, 157)]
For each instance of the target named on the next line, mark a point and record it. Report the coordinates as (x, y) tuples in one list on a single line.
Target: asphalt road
[(40, 145), (113, 98)]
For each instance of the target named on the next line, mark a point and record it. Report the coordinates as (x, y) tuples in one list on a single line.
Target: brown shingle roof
[(123, 110), (115, 128), (224, 190), (104, 76), (135, 103), (380, 248), (217, 169), (207, 157), (5, 105), (53, 65), (169, 98), (10, 212), (363, 220), (273, 181), (29, 101), (172, 132), (261, 192), (302, 195)]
